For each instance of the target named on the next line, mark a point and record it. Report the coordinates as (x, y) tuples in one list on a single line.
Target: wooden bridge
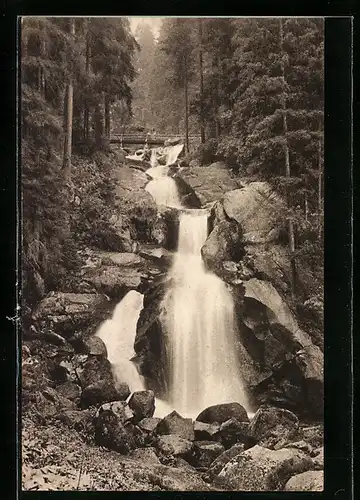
[(152, 140)]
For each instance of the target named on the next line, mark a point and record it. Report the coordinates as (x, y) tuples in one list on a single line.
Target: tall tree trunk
[(291, 229), (107, 116), (87, 69), (99, 126), (306, 206), (186, 83), (69, 118), (201, 72)]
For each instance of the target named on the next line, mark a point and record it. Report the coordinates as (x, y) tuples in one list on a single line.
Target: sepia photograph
[(172, 191)]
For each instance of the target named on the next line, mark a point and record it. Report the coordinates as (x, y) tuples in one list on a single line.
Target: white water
[(200, 322), (164, 191), (198, 316), (118, 334)]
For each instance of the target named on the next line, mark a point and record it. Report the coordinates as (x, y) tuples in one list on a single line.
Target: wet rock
[(223, 244), (159, 256), (273, 427), (176, 425), (104, 391), (206, 432), (146, 455), (150, 345), (205, 452), (306, 481), (143, 404), (65, 312), (223, 412), (232, 431), (174, 446), (261, 469), (187, 194), (219, 463)]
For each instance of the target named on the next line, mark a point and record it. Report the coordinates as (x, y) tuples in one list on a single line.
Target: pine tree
[(178, 44)]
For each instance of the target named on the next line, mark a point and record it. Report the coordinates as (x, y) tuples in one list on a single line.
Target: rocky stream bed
[(81, 430)]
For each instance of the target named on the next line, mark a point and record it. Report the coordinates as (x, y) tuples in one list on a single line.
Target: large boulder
[(172, 478), (66, 312), (129, 179), (205, 452), (176, 425), (261, 469), (209, 182), (114, 281), (104, 391), (291, 366), (232, 431), (92, 369), (143, 404), (175, 446), (114, 428), (257, 210), (310, 362), (150, 345), (165, 229), (306, 481), (219, 463), (206, 432), (273, 427), (223, 412), (223, 244), (187, 194)]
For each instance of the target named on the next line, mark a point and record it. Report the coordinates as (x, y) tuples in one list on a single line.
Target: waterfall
[(164, 191), (118, 334), (153, 158), (199, 319)]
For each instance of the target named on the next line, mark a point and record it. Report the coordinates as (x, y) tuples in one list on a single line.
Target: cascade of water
[(118, 334), (153, 158), (198, 317), (164, 191), (200, 322)]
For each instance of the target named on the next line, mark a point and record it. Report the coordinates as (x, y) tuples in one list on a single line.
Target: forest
[(252, 91)]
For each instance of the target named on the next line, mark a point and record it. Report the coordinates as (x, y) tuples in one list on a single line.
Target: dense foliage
[(254, 88), (73, 71)]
